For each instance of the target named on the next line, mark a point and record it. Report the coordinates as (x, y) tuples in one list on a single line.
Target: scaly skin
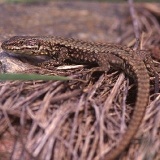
[(105, 55)]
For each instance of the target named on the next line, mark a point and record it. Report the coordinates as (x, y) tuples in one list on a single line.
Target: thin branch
[(135, 21)]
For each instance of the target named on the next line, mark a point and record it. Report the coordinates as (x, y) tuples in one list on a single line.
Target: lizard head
[(25, 45)]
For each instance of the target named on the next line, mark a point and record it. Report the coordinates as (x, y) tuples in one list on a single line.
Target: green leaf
[(26, 77)]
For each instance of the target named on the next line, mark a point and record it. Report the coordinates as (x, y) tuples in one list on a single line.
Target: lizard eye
[(32, 43), (21, 42)]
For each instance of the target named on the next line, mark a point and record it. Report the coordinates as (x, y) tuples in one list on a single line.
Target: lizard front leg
[(58, 58)]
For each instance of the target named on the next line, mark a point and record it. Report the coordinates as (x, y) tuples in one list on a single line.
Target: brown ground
[(75, 119)]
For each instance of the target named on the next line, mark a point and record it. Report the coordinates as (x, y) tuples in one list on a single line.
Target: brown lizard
[(105, 55)]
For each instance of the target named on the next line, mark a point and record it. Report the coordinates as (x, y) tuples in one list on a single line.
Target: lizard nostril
[(4, 45)]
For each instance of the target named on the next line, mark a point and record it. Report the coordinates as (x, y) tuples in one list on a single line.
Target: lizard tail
[(143, 84)]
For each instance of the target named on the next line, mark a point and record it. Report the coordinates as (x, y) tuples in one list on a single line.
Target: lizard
[(105, 55)]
